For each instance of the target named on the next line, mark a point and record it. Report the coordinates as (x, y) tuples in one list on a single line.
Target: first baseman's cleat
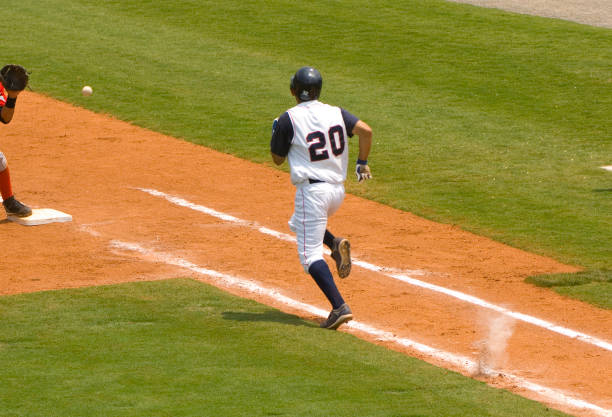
[(14, 207), (337, 317), (341, 253)]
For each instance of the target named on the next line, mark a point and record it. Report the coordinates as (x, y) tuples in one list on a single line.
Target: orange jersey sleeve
[(3, 95)]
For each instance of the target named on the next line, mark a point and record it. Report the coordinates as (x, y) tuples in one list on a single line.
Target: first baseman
[(8, 97), (313, 136)]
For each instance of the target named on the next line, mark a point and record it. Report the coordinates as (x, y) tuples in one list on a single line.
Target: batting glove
[(362, 170)]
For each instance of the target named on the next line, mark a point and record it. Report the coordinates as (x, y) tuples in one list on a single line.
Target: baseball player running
[(313, 136), (8, 97)]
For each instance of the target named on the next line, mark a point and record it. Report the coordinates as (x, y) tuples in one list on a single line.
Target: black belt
[(311, 181)]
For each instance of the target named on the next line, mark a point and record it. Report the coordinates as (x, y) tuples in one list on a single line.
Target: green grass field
[(488, 120), (182, 348), (492, 121)]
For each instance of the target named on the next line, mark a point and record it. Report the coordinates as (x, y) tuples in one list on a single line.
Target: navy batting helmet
[(306, 83)]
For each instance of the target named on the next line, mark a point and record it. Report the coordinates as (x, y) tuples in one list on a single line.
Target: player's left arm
[(13, 80), (364, 132), (362, 169), (8, 108), (355, 126)]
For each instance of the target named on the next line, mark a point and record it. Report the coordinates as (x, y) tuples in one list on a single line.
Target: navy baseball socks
[(340, 252), (328, 239), (341, 312)]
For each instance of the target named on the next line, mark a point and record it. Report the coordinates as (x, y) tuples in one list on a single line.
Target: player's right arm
[(278, 160), (282, 135)]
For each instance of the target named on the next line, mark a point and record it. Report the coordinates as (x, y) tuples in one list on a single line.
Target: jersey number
[(318, 140)]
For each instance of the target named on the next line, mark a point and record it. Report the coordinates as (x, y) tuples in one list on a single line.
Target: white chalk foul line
[(398, 276), (451, 360)]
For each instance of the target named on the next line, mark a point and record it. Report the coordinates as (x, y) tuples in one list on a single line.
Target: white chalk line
[(451, 360), (389, 272)]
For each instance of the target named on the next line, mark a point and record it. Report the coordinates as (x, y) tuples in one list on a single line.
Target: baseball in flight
[(87, 91)]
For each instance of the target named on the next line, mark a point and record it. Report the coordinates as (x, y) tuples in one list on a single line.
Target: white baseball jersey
[(314, 138)]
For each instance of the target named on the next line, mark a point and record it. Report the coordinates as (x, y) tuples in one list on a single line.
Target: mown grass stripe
[(450, 359)]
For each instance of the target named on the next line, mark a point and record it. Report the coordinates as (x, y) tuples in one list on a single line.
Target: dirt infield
[(590, 12), (92, 166)]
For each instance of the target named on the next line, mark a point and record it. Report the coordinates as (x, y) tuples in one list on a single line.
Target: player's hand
[(362, 170), (14, 78)]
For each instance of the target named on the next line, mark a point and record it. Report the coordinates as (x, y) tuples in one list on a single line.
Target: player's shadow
[(602, 190), (270, 315), (5, 221)]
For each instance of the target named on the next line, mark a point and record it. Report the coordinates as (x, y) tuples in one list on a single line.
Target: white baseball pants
[(314, 203)]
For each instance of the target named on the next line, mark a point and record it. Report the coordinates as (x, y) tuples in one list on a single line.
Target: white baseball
[(87, 91)]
